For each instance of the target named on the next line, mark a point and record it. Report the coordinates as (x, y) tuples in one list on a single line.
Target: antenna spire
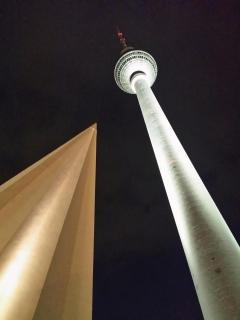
[(121, 39), (123, 42)]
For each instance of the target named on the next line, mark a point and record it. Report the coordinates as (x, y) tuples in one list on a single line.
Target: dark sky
[(56, 79)]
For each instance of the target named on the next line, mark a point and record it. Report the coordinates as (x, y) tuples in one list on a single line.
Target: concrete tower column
[(212, 253)]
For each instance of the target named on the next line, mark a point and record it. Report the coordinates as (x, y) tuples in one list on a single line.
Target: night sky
[(56, 79)]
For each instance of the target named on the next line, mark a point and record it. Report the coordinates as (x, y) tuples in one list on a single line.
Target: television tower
[(212, 253)]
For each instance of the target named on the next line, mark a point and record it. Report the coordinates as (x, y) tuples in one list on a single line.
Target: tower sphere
[(131, 64)]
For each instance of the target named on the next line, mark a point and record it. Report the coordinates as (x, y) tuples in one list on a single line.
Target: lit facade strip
[(46, 262)]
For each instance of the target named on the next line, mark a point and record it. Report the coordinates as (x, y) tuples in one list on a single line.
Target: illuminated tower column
[(212, 253)]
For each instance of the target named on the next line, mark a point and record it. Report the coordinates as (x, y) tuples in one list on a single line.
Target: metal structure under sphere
[(133, 64)]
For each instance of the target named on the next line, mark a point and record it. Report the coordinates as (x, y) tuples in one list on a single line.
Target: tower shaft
[(212, 253)]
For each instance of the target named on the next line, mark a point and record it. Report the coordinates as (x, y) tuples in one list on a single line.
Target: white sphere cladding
[(131, 63)]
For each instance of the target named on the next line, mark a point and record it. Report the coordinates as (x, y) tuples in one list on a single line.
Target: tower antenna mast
[(123, 42), (121, 39)]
